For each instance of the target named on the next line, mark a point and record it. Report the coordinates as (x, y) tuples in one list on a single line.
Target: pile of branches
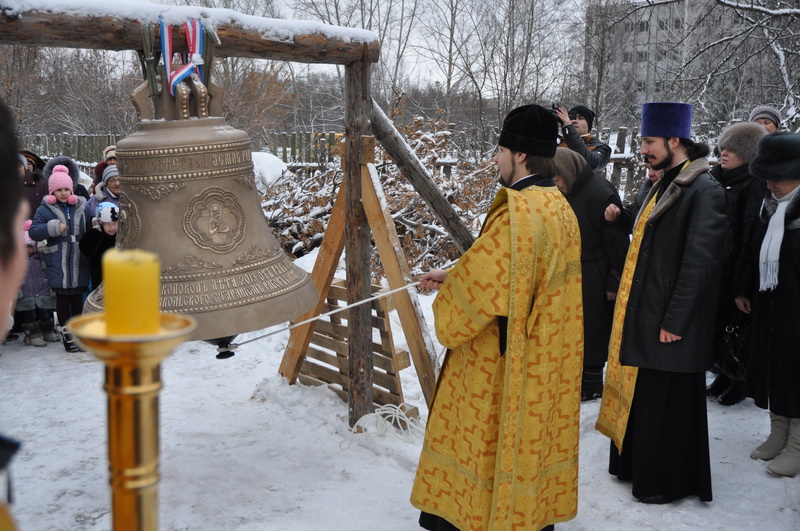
[(298, 207)]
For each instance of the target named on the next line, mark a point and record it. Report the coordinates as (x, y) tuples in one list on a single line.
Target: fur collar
[(675, 188)]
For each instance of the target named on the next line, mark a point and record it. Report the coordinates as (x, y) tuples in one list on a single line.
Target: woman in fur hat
[(737, 145), (62, 220), (769, 287)]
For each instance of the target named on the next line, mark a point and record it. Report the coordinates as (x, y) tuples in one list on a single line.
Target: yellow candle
[(131, 291)]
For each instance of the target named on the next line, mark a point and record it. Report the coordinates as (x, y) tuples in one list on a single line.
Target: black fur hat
[(778, 157), (530, 129), (742, 138)]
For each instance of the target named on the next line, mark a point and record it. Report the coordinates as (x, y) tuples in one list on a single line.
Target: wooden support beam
[(324, 268), (413, 170), (67, 25), (357, 238), (398, 274)]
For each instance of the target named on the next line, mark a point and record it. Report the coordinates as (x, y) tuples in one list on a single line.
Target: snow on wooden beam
[(116, 25)]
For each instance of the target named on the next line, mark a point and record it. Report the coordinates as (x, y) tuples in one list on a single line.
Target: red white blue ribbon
[(195, 34)]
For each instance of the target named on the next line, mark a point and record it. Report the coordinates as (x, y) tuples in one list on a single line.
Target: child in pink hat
[(62, 220)]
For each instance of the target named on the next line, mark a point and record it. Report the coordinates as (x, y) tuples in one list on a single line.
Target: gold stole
[(620, 383)]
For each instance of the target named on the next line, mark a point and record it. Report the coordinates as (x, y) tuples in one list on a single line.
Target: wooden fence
[(306, 152)]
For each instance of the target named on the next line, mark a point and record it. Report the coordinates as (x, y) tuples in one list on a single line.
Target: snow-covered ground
[(243, 450)]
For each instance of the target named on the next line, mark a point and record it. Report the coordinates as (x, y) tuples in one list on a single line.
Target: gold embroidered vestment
[(501, 446)]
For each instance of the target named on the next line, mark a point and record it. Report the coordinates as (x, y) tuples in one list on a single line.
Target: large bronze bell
[(189, 195)]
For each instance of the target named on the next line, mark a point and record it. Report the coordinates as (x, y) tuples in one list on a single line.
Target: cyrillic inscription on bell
[(189, 195)]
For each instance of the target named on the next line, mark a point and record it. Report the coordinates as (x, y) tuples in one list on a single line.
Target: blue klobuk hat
[(667, 119)]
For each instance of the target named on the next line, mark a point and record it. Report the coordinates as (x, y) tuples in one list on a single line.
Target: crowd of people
[(566, 296), (658, 293), (67, 231)]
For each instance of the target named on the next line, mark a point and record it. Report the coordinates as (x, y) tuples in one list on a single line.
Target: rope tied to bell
[(233, 346)]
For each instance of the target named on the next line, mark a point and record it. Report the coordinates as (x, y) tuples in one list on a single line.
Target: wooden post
[(415, 172), (616, 173), (398, 274), (357, 239)]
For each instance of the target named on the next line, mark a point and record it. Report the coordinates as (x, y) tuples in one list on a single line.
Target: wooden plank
[(420, 344), (69, 25), (322, 275), (333, 360), (357, 240), (402, 359), (413, 170), (323, 372)]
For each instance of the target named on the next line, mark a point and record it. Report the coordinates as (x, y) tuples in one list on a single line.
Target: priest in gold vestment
[(501, 445)]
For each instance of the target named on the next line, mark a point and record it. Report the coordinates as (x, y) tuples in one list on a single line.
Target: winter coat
[(676, 281), (66, 266), (35, 292), (74, 172), (603, 251), (93, 245), (773, 370), (594, 152), (35, 189), (745, 194), (101, 195)]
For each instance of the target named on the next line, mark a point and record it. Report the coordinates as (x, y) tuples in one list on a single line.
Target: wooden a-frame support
[(420, 345)]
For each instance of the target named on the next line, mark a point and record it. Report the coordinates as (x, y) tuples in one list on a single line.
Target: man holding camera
[(575, 126)]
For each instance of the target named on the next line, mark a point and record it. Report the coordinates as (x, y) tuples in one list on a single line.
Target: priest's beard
[(505, 180), (667, 162)]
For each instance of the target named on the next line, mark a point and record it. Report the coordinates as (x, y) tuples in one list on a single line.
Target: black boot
[(69, 343), (720, 384), (733, 395), (592, 383)]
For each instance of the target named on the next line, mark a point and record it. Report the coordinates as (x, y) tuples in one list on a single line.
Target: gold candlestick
[(132, 383)]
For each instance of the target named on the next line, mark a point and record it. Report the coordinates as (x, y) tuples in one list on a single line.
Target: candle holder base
[(132, 383)]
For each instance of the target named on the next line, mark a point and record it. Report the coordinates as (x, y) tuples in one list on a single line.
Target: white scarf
[(771, 245)]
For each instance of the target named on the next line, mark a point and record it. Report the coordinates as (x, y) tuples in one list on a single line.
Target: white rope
[(233, 346), (387, 419)]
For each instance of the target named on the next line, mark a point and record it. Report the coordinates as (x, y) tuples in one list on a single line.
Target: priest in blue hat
[(654, 400)]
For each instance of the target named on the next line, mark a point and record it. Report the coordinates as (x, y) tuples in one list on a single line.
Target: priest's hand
[(667, 337), (743, 303), (433, 279)]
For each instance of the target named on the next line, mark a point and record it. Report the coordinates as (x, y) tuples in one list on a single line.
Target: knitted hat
[(584, 111), (667, 119), (778, 157), (98, 171), (530, 129), (60, 179), (742, 138), (109, 153), (765, 111), (109, 172), (107, 212), (34, 159)]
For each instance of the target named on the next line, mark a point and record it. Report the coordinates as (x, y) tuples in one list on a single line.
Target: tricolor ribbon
[(194, 39)]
